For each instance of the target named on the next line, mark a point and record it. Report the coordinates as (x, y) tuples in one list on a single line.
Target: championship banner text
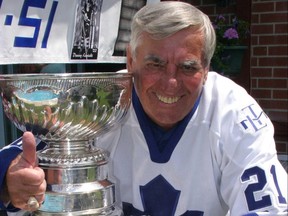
[(65, 31)]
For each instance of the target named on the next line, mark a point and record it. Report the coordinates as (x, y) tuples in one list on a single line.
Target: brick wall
[(269, 63), (264, 72)]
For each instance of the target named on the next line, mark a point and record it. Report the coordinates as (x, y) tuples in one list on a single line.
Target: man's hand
[(24, 179)]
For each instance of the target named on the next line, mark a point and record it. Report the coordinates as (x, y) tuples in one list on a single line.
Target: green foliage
[(227, 34)]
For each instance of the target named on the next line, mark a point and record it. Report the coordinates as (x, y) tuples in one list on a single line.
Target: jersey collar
[(161, 143)]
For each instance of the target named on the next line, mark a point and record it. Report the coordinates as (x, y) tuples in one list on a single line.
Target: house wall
[(265, 65), (269, 63)]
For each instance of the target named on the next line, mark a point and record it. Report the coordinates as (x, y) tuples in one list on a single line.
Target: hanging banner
[(65, 31)]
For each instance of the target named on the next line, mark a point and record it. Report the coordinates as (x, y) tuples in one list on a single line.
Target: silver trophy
[(68, 112)]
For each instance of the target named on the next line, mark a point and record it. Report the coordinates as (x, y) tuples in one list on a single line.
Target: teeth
[(168, 100)]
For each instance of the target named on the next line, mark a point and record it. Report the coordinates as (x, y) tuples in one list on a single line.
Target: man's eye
[(188, 69), (154, 66)]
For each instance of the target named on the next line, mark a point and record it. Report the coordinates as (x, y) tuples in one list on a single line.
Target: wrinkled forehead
[(191, 40)]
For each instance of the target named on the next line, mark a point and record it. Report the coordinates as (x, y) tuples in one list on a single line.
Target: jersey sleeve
[(253, 180), (7, 154)]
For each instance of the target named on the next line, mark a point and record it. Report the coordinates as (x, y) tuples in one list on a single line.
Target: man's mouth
[(167, 100)]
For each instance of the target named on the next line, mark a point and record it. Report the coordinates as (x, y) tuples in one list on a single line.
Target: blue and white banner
[(65, 31)]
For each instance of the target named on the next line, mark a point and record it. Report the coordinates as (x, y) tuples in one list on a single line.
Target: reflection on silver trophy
[(68, 111)]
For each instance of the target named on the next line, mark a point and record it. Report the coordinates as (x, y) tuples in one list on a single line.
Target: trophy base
[(77, 189), (109, 211)]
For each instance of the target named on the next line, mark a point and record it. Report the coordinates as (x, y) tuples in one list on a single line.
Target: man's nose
[(171, 76)]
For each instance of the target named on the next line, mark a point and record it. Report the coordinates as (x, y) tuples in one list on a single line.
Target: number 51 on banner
[(28, 22)]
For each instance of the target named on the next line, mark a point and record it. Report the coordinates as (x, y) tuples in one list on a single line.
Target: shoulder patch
[(253, 118)]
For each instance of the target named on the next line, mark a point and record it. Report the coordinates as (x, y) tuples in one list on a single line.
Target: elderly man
[(194, 142)]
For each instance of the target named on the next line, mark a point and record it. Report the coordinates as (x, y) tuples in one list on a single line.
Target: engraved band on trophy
[(67, 111)]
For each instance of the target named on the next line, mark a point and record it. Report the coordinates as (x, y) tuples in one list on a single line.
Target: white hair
[(165, 18)]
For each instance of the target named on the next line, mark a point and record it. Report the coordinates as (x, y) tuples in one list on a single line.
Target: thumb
[(29, 148)]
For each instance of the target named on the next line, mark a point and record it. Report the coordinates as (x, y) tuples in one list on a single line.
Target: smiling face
[(168, 75)]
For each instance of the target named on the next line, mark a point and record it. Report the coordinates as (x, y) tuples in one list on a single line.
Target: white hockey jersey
[(224, 160)]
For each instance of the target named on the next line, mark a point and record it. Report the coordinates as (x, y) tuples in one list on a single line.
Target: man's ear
[(206, 71), (129, 59)]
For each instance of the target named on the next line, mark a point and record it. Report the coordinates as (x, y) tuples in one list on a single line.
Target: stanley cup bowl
[(68, 111)]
